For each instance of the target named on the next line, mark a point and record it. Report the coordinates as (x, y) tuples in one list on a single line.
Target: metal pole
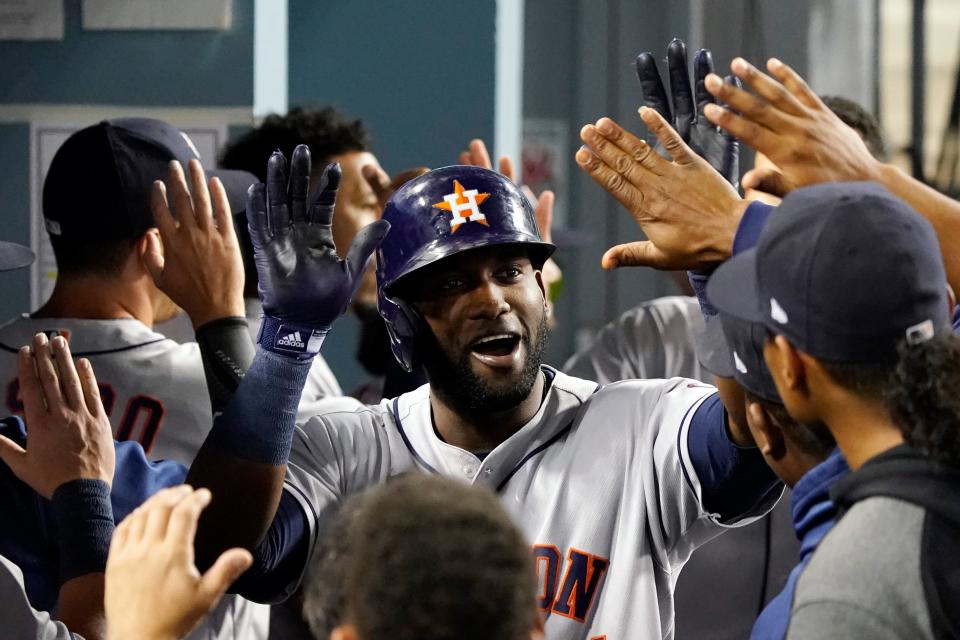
[(918, 86)]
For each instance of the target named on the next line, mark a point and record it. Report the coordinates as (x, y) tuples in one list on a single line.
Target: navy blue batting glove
[(304, 285), (711, 143)]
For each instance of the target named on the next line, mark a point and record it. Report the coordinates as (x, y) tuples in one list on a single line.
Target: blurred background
[(426, 76)]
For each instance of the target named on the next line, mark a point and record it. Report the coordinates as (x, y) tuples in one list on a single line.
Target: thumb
[(635, 254), (224, 572), (768, 180), (363, 247), (12, 454), (153, 259)]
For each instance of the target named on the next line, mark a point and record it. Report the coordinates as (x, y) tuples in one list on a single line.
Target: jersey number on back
[(140, 422)]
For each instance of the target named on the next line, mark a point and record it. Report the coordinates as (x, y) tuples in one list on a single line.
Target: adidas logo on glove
[(292, 340)]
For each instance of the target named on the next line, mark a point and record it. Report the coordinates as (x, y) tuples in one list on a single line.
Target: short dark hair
[(860, 120), (325, 130), (85, 256), (426, 558), (924, 396), (867, 380), (813, 440)]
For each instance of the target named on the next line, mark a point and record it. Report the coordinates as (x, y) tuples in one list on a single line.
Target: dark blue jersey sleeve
[(734, 481), (28, 531), (280, 558), (751, 224)]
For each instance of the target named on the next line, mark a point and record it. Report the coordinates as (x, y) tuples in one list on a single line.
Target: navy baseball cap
[(845, 271), (14, 256), (100, 179)]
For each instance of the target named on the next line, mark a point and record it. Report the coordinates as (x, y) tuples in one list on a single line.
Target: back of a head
[(96, 194), (430, 558), (94, 205)]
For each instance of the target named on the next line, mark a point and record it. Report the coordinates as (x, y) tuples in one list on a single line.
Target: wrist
[(299, 341), (84, 517), (227, 308)]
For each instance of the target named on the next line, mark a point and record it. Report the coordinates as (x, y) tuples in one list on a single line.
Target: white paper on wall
[(31, 19), (157, 14)]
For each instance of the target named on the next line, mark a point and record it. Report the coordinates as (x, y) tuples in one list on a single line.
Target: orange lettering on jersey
[(582, 578), (581, 583), (547, 559)]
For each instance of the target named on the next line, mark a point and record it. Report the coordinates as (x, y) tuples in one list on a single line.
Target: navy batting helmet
[(440, 214)]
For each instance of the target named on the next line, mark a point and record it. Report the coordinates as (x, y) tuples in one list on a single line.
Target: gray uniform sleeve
[(19, 619), (653, 340), (826, 620)]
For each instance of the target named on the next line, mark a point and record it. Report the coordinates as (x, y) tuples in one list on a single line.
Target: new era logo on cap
[(738, 363), (777, 312)]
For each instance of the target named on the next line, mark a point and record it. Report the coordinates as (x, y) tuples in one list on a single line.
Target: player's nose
[(487, 301)]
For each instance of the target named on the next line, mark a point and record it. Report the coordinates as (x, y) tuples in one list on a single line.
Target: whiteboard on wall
[(31, 19), (45, 141), (157, 14)]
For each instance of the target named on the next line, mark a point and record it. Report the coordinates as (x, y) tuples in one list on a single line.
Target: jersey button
[(469, 471)]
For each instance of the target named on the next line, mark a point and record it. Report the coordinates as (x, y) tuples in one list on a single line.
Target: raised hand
[(304, 285), (688, 211), (199, 265), (686, 114), (787, 122), (476, 155), (68, 432), (153, 588)]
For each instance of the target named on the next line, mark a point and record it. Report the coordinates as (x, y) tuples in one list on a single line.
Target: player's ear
[(538, 274), (790, 366), (765, 432), (143, 243), (344, 632)]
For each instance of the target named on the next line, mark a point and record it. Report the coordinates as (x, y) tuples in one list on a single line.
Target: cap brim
[(14, 256), (236, 184), (733, 287), (713, 352)]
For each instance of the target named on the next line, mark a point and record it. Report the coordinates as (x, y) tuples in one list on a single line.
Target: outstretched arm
[(69, 460), (788, 123), (304, 287)]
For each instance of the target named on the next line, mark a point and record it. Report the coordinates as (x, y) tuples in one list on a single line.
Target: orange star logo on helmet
[(464, 204)]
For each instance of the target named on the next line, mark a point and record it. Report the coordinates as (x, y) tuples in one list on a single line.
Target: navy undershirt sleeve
[(280, 557), (734, 480), (751, 224), (260, 418)]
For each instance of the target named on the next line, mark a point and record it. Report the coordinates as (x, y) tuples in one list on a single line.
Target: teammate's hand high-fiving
[(304, 286)]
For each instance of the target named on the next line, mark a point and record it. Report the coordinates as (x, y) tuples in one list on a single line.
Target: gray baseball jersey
[(20, 620), (153, 388), (599, 480), (724, 585), (652, 340)]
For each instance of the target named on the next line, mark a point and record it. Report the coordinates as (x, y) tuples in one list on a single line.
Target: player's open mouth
[(499, 351)]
